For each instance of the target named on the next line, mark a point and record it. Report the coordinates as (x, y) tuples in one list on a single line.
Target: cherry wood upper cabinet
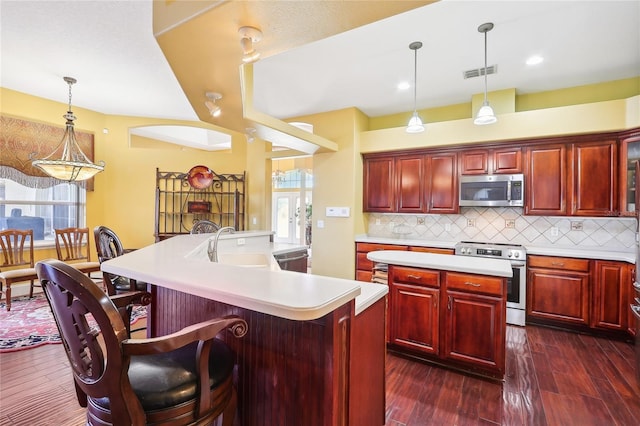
[(475, 162), (410, 178), (507, 160), (378, 188), (594, 179), (417, 183), (629, 153), (546, 180), (491, 161), (443, 183)]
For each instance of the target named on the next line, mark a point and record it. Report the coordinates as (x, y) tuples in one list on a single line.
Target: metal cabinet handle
[(472, 284), (557, 264), (414, 277), (449, 303)]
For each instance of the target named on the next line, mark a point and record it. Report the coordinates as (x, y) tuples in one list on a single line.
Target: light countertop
[(444, 262), (179, 263), (599, 253)]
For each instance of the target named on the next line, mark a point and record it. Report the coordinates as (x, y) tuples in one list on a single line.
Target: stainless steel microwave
[(492, 190)]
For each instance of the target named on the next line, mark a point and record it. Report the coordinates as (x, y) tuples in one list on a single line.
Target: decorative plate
[(200, 177)]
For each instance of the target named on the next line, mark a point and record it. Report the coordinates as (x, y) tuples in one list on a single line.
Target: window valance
[(23, 141)]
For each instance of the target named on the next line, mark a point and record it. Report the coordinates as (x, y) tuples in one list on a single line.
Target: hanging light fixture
[(248, 36), (73, 165), (485, 114), (415, 123), (211, 103)]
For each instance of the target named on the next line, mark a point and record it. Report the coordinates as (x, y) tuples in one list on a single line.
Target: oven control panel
[(509, 252)]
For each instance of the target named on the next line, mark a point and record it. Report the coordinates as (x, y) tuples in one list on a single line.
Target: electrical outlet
[(576, 225), (554, 231), (471, 223), (392, 225), (510, 223), (377, 221), (447, 227), (241, 241), (421, 221)]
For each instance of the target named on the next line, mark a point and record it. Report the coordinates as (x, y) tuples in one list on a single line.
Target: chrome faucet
[(213, 252)]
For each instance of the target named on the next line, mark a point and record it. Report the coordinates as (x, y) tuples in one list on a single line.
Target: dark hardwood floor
[(553, 378)]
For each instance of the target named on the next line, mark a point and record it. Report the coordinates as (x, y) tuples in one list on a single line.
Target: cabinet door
[(413, 318), (629, 154), (410, 178), (474, 162), (558, 296), (611, 286), (378, 188), (546, 180), (595, 179), (443, 183), (507, 160), (475, 330)]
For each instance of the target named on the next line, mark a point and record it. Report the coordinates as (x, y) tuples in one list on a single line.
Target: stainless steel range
[(516, 285)]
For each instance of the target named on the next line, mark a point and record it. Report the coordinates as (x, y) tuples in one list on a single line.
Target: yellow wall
[(337, 182), (506, 101), (124, 195), (584, 118)]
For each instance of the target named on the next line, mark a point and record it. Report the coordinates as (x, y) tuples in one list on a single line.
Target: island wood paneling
[(288, 372)]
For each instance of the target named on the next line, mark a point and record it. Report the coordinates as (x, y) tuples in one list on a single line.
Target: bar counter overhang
[(315, 348)]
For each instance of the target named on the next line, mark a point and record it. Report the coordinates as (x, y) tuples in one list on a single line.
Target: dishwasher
[(295, 260)]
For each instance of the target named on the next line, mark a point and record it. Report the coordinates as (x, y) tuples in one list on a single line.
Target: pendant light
[(485, 114), (73, 165), (415, 123)]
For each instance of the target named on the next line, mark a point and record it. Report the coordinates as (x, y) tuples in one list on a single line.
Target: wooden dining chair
[(184, 378), (204, 227), (16, 261), (72, 247), (109, 246)]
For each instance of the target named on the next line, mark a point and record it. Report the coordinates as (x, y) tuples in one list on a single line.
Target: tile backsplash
[(506, 225)]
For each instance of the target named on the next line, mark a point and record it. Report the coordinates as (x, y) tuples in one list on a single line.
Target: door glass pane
[(282, 217)]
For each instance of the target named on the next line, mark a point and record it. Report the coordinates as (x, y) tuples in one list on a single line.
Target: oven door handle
[(518, 263)]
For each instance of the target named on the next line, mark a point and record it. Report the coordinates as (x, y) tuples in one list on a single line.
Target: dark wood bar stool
[(184, 378)]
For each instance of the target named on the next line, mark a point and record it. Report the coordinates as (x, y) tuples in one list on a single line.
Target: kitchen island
[(449, 310), (314, 351)]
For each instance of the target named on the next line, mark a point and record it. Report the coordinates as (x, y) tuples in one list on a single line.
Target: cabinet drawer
[(362, 263), (423, 277), (367, 247), (564, 263), (475, 283), (431, 250)]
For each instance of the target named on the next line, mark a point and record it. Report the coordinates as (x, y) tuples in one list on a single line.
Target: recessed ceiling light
[(534, 60), (403, 85)]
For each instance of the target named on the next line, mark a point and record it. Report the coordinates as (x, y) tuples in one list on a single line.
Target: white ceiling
[(109, 47)]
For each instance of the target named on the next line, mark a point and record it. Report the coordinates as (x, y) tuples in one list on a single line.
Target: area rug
[(30, 323)]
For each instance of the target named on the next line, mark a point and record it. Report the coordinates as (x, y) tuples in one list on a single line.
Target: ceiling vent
[(492, 69)]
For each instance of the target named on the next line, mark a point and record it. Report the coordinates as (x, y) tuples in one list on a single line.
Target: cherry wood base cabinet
[(414, 321), (364, 266), (558, 290), (449, 318), (582, 294), (612, 287)]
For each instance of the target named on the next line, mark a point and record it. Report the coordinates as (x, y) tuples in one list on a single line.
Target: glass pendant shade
[(415, 124), (72, 164), (485, 115)]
